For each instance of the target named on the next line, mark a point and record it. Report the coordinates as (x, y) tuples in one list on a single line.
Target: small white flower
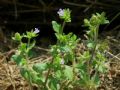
[(62, 61), (36, 30), (61, 12)]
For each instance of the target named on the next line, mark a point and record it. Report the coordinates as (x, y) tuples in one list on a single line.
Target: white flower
[(36, 30), (61, 12), (62, 61)]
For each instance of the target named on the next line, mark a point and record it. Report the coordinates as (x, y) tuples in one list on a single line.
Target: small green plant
[(23, 54), (93, 61), (65, 71)]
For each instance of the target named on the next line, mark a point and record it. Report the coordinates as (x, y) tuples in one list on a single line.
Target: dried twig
[(114, 56)]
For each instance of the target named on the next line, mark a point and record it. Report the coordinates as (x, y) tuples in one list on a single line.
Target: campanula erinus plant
[(65, 71)]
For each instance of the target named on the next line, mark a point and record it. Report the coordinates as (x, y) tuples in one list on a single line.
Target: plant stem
[(73, 65), (63, 25), (61, 31), (27, 58), (93, 51), (48, 74), (95, 41), (29, 41)]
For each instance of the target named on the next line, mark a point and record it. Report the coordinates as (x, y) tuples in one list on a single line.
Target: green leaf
[(23, 47), (84, 78), (96, 80), (56, 26), (86, 22), (36, 78), (31, 76), (59, 36), (102, 68), (31, 34), (17, 37), (90, 45), (40, 67), (32, 54), (57, 60), (17, 59), (73, 37), (68, 72), (66, 48), (23, 61), (85, 57), (25, 73), (67, 16), (58, 74), (53, 84)]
